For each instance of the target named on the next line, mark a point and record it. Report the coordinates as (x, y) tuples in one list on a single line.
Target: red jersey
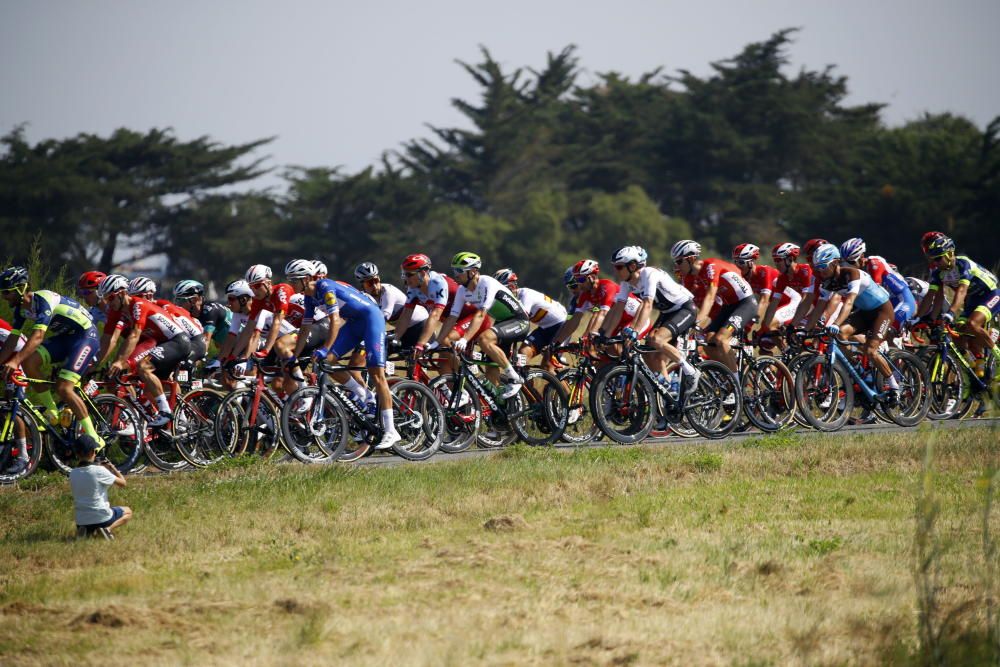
[(698, 289), (601, 297), (764, 281), (801, 280), (876, 267), (280, 301), (192, 327), (732, 288), (154, 322)]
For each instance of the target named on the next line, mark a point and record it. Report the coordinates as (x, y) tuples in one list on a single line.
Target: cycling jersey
[(54, 314), (279, 301), (732, 288), (440, 292), (215, 319), (334, 297), (491, 296), (262, 324), (869, 294), (922, 288), (297, 311), (903, 303), (154, 322), (602, 297), (392, 300), (801, 280), (542, 310), (658, 285), (965, 272), (191, 326), (5, 331)]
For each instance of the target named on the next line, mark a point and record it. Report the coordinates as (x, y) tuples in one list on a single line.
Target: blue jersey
[(869, 295), (332, 297)]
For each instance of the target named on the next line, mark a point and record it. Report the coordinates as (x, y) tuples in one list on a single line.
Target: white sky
[(340, 82)]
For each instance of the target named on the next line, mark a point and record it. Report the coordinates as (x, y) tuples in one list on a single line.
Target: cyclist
[(852, 251), (795, 280), (723, 282), (764, 281), (239, 298), (154, 345), (548, 315), (492, 303), (63, 333), (392, 301), (354, 319), (276, 299), (864, 308), (976, 296), (595, 295), (214, 317), (810, 297), (655, 288), (145, 288), (86, 289)]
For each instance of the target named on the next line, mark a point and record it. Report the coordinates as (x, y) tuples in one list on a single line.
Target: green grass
[(776, 550)]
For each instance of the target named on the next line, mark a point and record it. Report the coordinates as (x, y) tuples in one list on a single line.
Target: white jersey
[(391, 302), (489, 295), (542, 310), (299, 299), (656, 284), (263, 323)]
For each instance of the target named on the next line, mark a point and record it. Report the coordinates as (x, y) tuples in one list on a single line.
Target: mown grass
[(774, 551)]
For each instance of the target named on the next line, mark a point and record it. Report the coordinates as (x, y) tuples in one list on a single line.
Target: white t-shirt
[(90, 486)]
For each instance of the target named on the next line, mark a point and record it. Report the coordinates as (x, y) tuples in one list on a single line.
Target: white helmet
[(257, 273), (112, 284), (238, 288), (141, 285), (320, 268), (297, 268), (365, 271), (852, 250), (630, 253), (684, 249)]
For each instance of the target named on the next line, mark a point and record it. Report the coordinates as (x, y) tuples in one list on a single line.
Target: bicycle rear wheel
[(824, 393), (315, 431), (10, 451), (623, 406), (121, 429), (713, 408), (461, 413), (194, 427), (769, 394), (419, 419), (914, 401), (580, 426), (947, 387)]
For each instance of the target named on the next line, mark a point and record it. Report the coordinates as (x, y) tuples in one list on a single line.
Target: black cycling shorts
[(511, 331), (678, 321), (736, 315), (167, 355), (199, 348), (873, 323), (318, 331)]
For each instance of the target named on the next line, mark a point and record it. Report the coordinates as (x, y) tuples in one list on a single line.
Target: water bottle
[(65, 417)]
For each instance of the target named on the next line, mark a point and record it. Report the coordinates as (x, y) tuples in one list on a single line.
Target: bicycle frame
[(948, 350), (834, 354)]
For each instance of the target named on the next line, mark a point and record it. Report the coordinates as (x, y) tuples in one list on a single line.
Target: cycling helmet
[(186, 289), (239, 288), (825, 255), (297, 268), (13, 277), (940, 246), (628, 254), (810, 246), (586, 267), (746, 252), (416, 262), (926, 239), (257, 273), (365, 271), (683, 249), (466, 260), (320, 268), (505, 276), (90, 280), (852, 250), (568, 278), (918, 287), (141, 285), (111, 284), (785, 251)]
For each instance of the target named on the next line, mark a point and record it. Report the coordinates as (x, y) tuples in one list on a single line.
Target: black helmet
[(13, 277)]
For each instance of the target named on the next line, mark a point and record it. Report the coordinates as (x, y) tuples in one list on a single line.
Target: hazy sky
[(340, 82)]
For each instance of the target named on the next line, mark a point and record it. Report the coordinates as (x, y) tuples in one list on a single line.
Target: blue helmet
[(824, 255), (568, 278), (852, 250)]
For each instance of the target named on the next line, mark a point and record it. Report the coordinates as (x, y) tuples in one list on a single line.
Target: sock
[(355, 388), (893, 383), (49, 403), (370, 396), (162, 404), (22, 448), (687, 368), (388, 425), (87, 424), (510, 374)]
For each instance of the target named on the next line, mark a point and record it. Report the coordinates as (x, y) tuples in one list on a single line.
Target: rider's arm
[(433, 318), (567, 329), (958, 301), (300, 342), (821, 306), (613, 317), (597, 319), (403, 323), (336, 321), (34, 340), (641, 319), (272, 334), (128, 346), (706, 303), (845, 309), (446, 328), (108, 342), (764, 302), (772, 308)]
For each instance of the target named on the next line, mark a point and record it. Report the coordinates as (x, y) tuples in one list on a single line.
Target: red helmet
[(416, 262), (810, 247), (928, 238), (745, 252), (90, 280), (586, 267), (785, 251)]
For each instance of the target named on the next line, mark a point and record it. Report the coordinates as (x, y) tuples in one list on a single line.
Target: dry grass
[(775, 551)]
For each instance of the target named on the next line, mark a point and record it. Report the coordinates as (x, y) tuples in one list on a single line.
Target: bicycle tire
[(708, 407), (122, 431), (317, 433), (33, 445), (582, 429), (194, 427), (914, 400), (770, 405), (816, 382), (542, 418), (624, 410), (419, 419), (463, 420)]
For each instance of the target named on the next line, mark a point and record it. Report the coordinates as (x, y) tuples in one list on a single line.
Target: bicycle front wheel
[(623, 405), (541, 418), (419, 420), (121, 429), (315, 431), (194, 427), (580, 426), (713, 408), (769, 394), (10, 451)]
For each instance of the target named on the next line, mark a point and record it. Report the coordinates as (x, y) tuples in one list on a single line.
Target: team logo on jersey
[(136, 311), (710, 271), (330, 299)]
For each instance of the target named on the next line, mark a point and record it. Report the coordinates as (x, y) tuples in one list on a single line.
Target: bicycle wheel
[(913, 399), (461, 413), (194, 427), (793, 367), (769, 394), (542, 418), (10, 450), (315, 431), (947, 386), (580, 426), (623, 406), (713, 408), (121, 429), (824, 393), (261, 437), (419, 419)]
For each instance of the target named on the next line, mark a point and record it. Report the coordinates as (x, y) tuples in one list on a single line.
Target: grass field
[(778, 550)]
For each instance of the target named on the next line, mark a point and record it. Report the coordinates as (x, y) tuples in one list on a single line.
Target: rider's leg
[(33, 368)]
